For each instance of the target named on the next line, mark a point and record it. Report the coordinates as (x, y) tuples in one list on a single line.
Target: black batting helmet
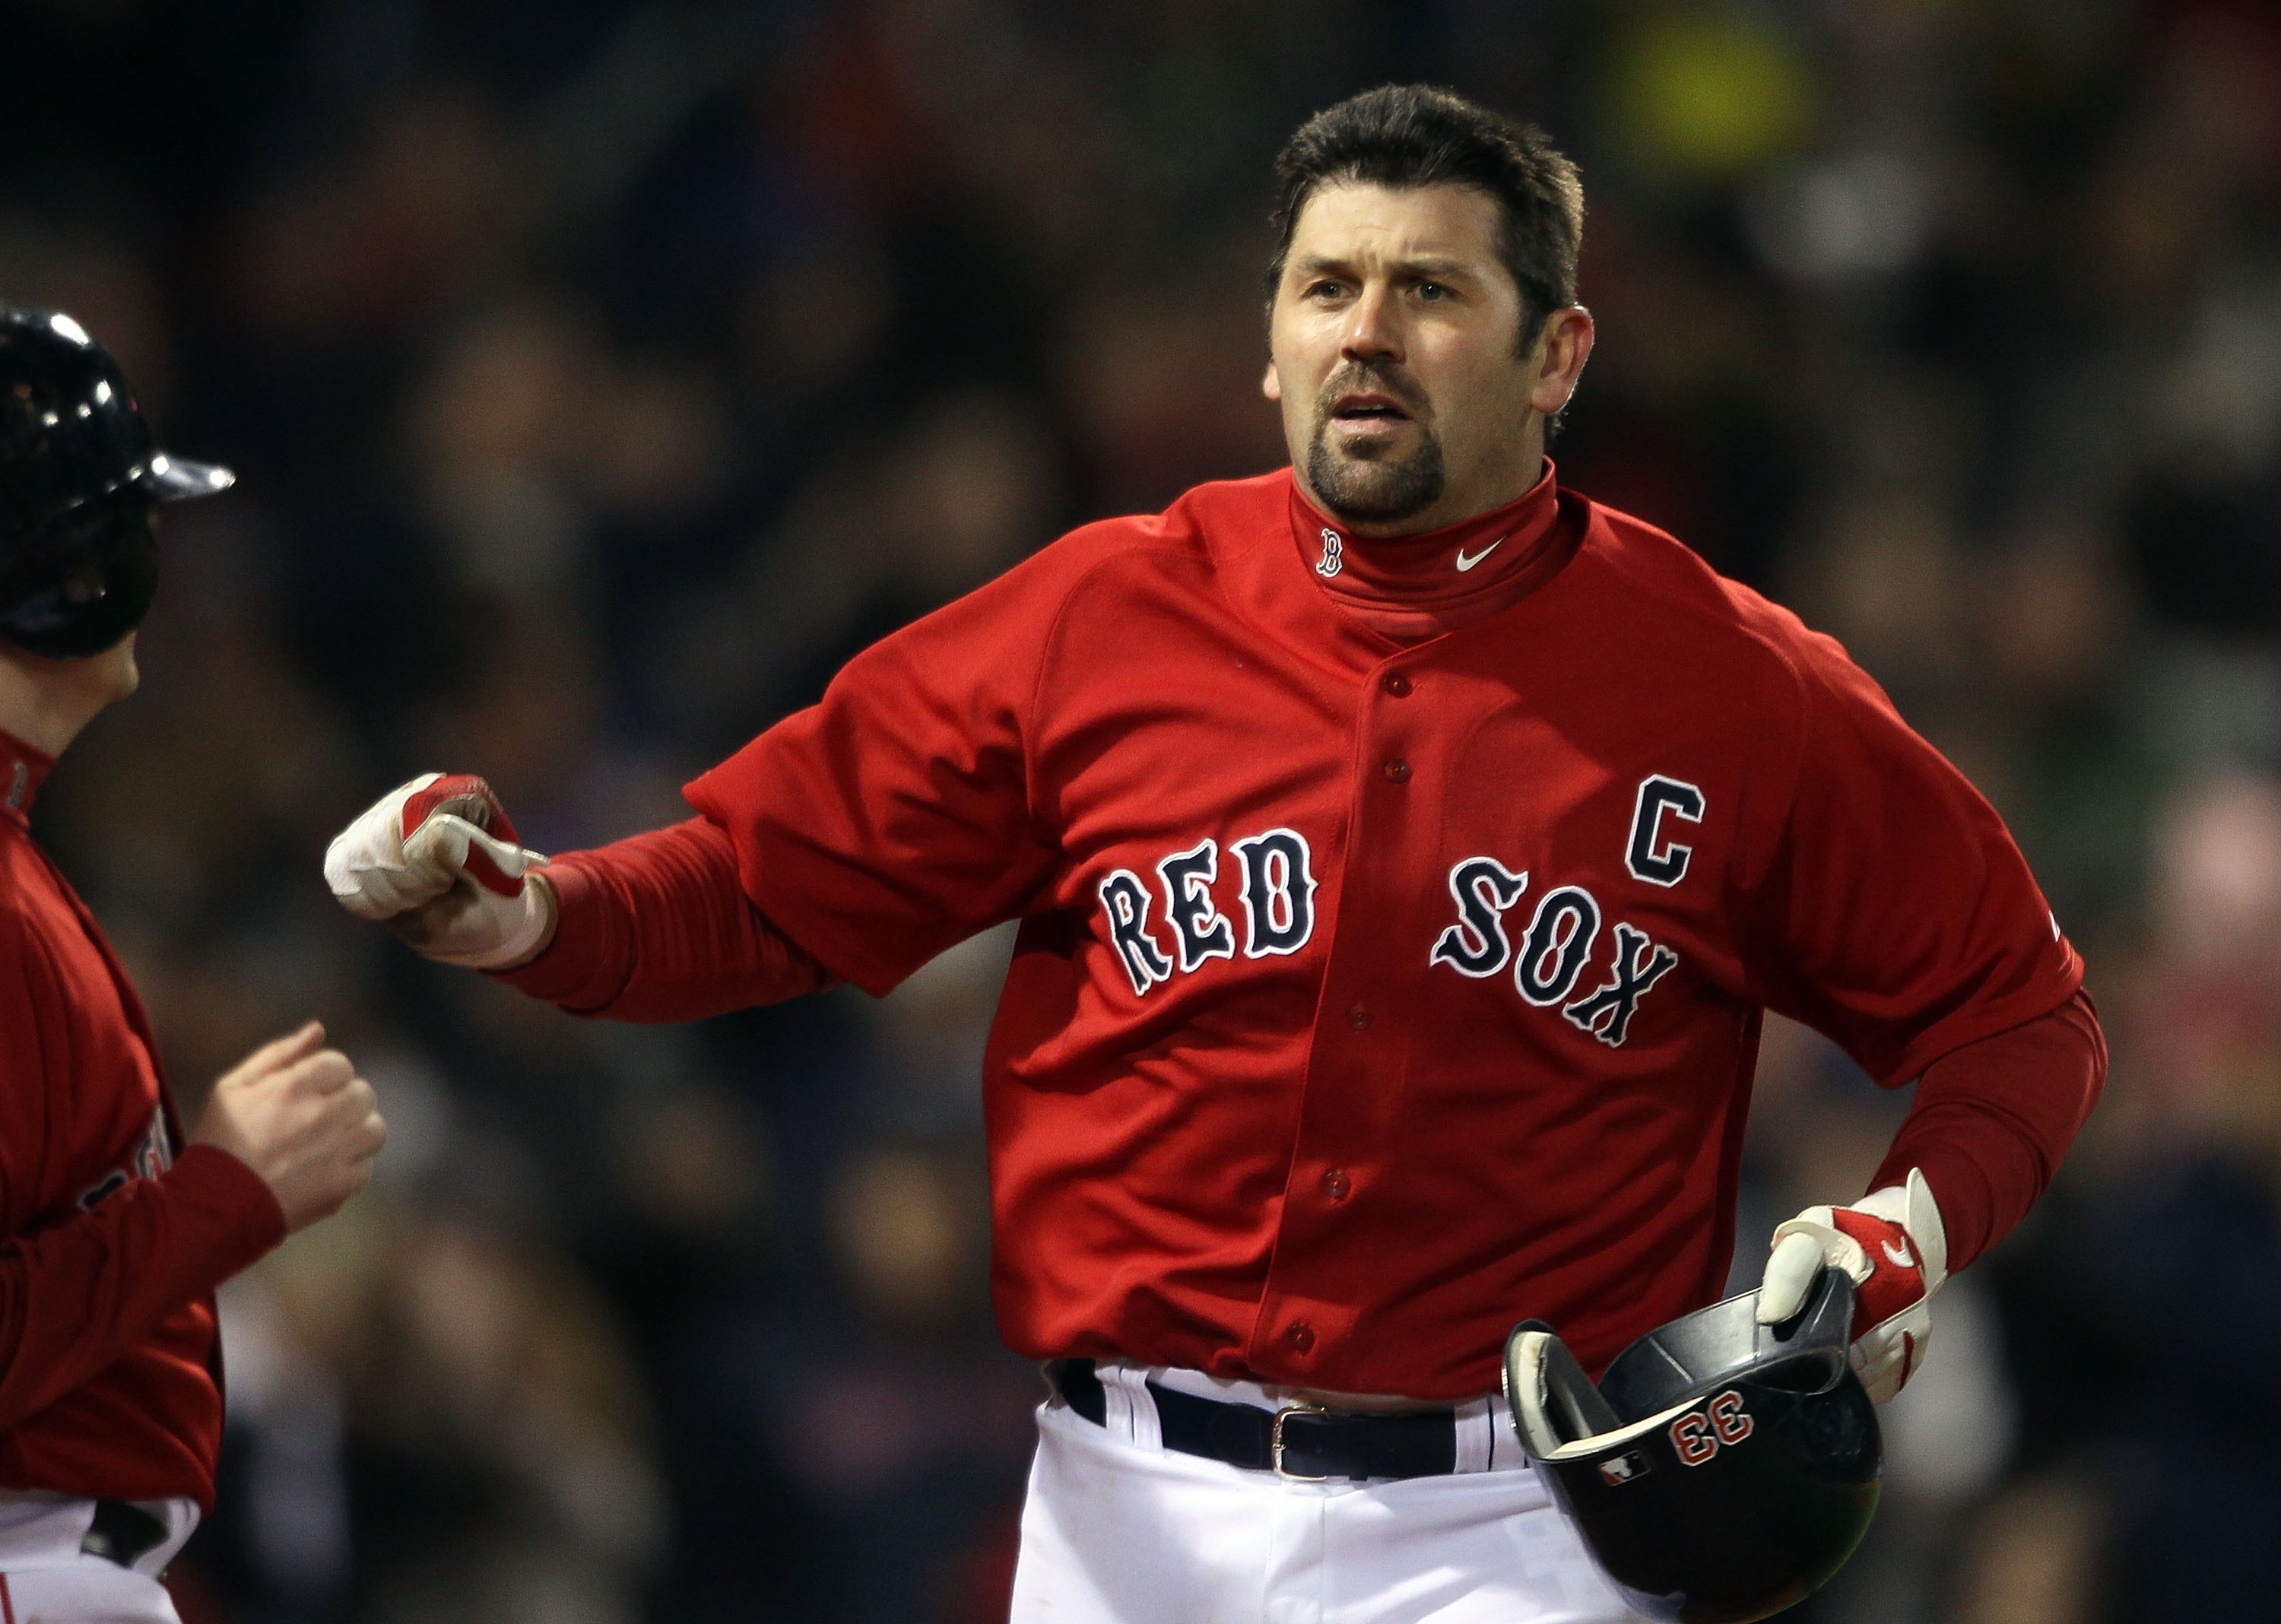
[(1722, 1469), (78, 480)]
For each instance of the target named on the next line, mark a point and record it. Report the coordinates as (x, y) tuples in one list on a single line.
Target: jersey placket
[(1358, 1051)]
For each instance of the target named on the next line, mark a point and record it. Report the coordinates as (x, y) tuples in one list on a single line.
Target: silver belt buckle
[(1275, 1444)]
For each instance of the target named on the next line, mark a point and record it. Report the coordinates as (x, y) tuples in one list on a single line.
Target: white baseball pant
[(1119, 1530), (45, 1578)]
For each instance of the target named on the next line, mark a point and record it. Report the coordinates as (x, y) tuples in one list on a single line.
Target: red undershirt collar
[(1411, 587), (22, 770)]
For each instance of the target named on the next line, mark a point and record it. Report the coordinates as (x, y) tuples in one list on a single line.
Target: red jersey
[(111, 1243), (1371, 995)]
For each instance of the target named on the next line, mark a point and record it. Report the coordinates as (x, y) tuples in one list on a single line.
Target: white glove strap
[(1911, 1207), (499, 933)]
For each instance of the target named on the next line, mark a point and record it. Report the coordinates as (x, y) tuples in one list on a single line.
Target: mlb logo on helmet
[(1624, 1468)]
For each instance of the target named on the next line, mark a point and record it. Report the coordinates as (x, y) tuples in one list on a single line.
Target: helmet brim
[(175, 479)]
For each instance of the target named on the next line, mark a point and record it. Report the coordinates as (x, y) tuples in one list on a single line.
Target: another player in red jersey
[(115, 1232), (1406, 849)]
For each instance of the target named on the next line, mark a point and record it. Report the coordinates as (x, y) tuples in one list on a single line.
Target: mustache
[(1365, 378)]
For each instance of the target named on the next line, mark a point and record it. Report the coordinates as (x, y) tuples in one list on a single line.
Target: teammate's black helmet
[(78, 480), (1722, 1470)]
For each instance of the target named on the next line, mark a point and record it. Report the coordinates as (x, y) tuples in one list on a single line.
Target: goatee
[(1375, 492)]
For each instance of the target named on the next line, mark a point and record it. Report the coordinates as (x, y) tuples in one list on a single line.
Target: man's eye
[(1431, 290), (1326, 289)]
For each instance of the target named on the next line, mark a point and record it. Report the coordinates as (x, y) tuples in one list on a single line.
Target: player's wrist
[(544, 917), (1910, 1207), (1893, 1247), (223, 1175)]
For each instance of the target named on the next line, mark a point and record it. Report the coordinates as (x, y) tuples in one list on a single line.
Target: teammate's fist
[(437, 859), (298, 1115), (1891, 1244)]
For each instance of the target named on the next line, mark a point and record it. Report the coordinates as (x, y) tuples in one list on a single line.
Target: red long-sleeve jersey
[(111, 1242), (1396, 924)]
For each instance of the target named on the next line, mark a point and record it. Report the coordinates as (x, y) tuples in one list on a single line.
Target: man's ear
[(1563, 345), (1270, 383)]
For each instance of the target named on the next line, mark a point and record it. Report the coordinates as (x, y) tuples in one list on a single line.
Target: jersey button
[(1397, 770), (1358, 1016), (1335, 1184), (1301, 1336), (1395, 683)]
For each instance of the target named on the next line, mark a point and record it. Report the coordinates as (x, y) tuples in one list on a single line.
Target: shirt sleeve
[(1992, 1119), (1895, 914), (895, 819), (657, 928), (80, 1289)]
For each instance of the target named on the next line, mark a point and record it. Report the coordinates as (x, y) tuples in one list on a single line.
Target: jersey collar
[(1266, 541), (1472, 559)]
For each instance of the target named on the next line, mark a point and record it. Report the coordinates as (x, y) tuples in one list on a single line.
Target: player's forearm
[(1993, 1118), (658, 928), (76, 1296)]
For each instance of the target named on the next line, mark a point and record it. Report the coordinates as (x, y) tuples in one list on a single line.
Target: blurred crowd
[(600, 373)]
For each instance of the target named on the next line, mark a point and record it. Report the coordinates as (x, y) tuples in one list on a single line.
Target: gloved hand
[(438, 861), (1890, 1242)]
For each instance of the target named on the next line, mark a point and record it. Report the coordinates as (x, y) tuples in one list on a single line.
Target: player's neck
[(47, 703)]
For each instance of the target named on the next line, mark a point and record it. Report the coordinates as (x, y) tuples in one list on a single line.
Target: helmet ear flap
[(1553, 1402), (89, 587)]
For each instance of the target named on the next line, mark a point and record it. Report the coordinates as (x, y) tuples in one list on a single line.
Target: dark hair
[(1412, 135)]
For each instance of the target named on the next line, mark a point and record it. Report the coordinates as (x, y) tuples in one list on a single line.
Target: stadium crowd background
[(601, 372)]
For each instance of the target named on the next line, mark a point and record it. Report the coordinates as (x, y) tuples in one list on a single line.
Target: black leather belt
[(123, 1534), (1303, 1444)]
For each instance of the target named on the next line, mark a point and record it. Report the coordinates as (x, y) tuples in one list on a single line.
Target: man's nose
[(1373, 327)]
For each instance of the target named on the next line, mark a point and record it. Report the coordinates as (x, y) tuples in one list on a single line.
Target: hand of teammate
[(297, 1114), (437, 861), (1891, 1244)]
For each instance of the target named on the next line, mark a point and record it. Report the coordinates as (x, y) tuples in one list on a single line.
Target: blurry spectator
[(497, 1459), (2034, 1557)]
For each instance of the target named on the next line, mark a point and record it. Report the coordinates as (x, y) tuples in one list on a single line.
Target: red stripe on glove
[(463, 794)]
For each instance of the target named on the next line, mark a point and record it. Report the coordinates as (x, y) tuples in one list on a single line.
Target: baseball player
[(117, 1232), (1405, 849)]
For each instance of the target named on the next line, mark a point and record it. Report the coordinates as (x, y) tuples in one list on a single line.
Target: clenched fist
[(437, 861), (298, 1115)]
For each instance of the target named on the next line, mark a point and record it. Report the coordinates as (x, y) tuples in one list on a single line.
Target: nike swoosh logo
[(1898, 1256), (1465, 563)]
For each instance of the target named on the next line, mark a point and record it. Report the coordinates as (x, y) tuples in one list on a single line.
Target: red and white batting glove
[(1890, 1242), (438, 861)]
